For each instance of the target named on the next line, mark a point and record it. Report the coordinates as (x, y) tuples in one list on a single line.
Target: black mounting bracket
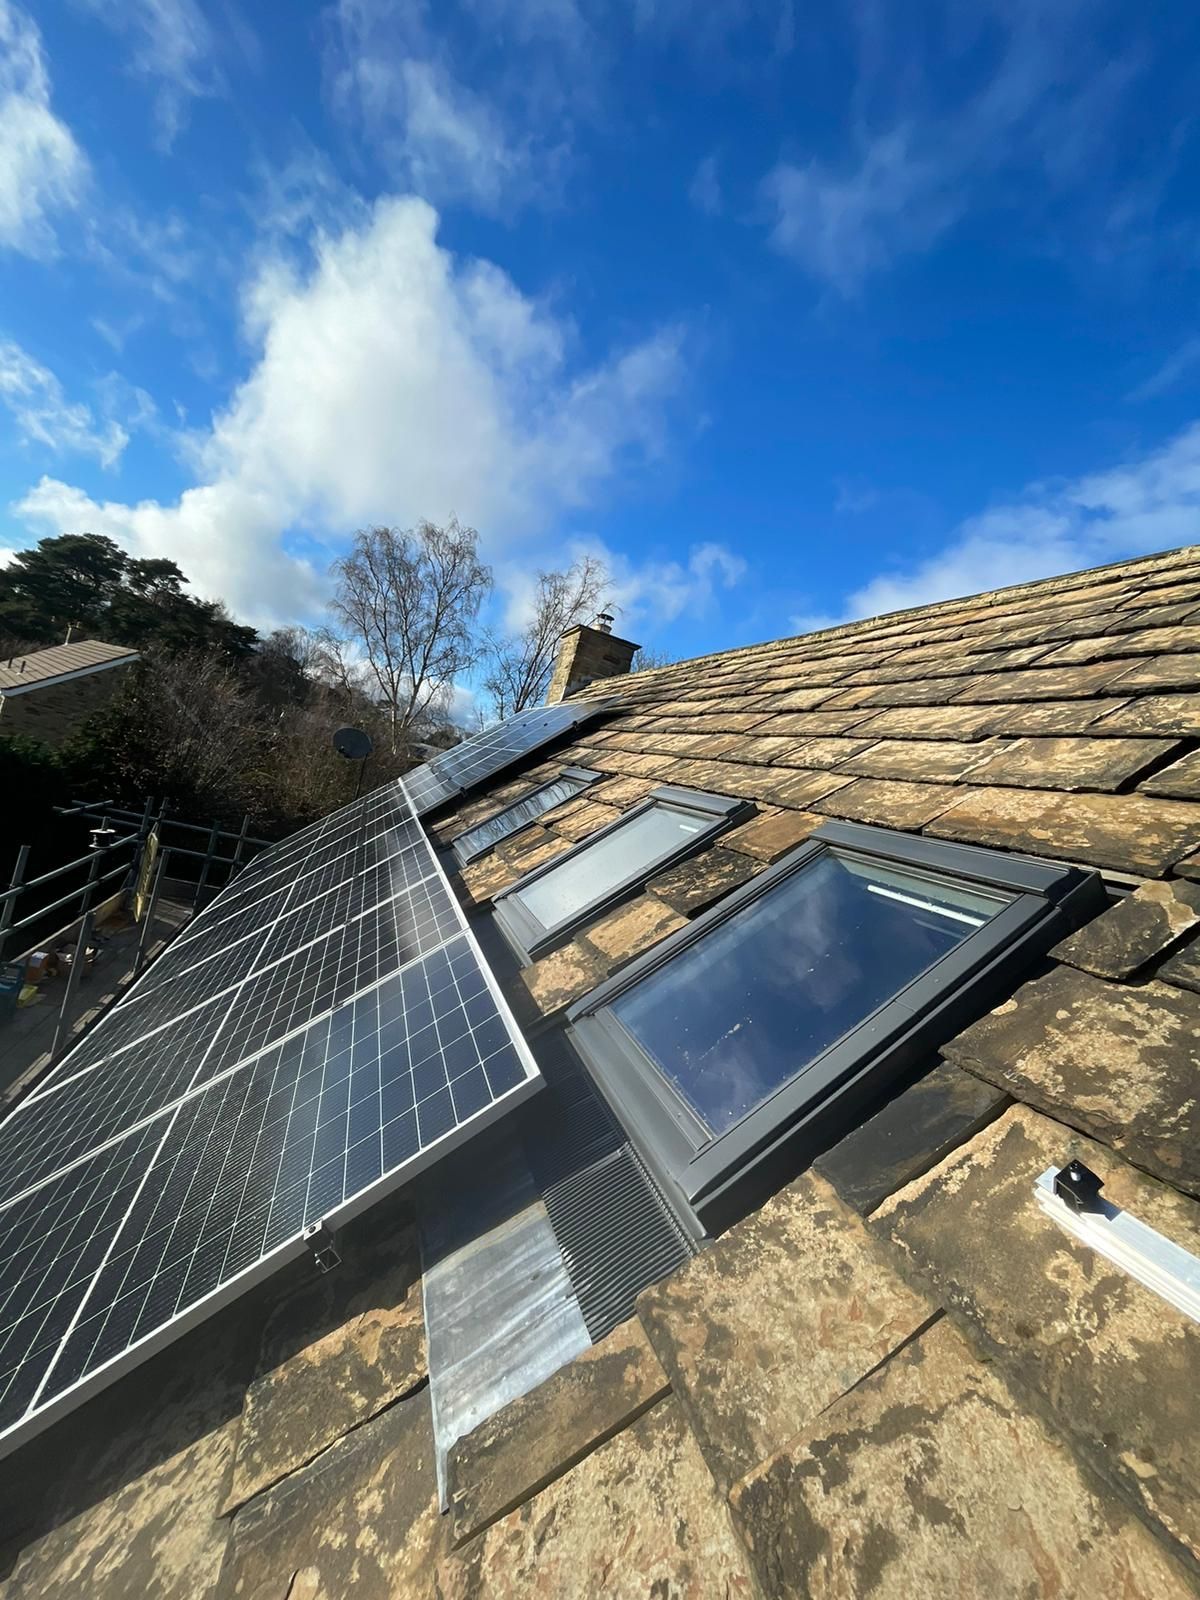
[(1078, 1187), (320, 1240)]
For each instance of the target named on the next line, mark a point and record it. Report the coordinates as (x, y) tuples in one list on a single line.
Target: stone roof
[(897, 1377), (41, 667)]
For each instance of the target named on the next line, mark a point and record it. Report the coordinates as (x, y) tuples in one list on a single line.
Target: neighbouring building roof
[(41, 668), (896, 1377)]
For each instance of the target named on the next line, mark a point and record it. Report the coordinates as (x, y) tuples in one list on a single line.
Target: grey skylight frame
[(585, 776), (526, 933), (719, 1177)]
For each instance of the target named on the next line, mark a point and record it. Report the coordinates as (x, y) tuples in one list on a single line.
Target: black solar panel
[(327, 1028), (484, 754)]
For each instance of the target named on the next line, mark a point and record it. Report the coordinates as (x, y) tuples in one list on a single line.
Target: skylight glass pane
[(738, 1014), (628, 851), (515, 817)]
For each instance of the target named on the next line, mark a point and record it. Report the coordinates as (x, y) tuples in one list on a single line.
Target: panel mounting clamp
[(1070, 1196), (320, 1240)]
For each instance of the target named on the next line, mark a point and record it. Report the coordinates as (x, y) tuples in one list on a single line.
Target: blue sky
[(792, 313)]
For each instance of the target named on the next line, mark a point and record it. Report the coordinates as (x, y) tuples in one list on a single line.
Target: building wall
[(52, 714)]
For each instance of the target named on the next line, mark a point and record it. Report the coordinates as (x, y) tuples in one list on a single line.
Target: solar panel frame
[(455, 771), (467, 1099)]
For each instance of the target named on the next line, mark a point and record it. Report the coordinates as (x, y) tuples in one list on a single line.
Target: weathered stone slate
[(362, 1520), (138, 1483), (333, 1354), (1183, 968), (1165, 714), (562, 976), (919, 692), (1043, 683), (1126, 832), (928, 760), (703, 879), (767, 838), (621, 792), (1145, 641), (824, 754), (1081, 763), (487, 877), (634, 927), (1160, 672), (1134, 932), (1044, 718), (1113, 1364), (587, 819), (1116, 1061), (637, 1519), (514, 1455), (891, 805), (761, 1331), (802, 788), (929, 722), (530, 847), (930, 1479), (1181, 780), (912, 1133)]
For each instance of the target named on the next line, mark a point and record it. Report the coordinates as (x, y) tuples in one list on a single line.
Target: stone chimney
[(587, 653)]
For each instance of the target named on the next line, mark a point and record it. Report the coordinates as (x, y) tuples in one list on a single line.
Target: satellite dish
[(352, 743)]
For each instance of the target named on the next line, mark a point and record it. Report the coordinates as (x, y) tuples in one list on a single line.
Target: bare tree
[(647, 660), (408, 599), (519, 665)]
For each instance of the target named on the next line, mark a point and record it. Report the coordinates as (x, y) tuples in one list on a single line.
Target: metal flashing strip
[(1161, 1266)]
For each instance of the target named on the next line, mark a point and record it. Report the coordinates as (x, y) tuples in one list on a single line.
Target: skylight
[(779, 1015), (486, 835), (548, 903)]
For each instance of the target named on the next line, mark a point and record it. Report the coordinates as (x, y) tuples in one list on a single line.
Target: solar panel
[(483, 755), (327, 1029)]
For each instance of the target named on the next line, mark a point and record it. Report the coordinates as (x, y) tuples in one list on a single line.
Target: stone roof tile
[(1134, 932)]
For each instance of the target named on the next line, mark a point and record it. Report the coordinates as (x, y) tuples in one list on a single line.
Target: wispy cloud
[(705, 188), (398, 81), (1150, 503), (1179, 364), (172, 45), (1036, 124), (42, 169), (44, 416)]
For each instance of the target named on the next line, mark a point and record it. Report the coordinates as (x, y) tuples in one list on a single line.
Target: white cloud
[(171, 44), (651, 594), (45, 416), (1042, 119), (42, 169), (1149, 504), (392, 381)]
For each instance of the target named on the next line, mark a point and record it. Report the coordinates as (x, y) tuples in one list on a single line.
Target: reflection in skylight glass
[(738, 1014), (515, 817), (633, 848)]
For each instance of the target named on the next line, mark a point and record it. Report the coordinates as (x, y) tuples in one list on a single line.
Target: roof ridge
[(932, 608)]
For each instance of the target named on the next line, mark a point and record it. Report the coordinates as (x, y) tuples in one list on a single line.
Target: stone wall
[(52, 714)]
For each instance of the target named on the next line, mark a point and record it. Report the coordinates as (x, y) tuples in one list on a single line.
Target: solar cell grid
[(56, 1127), (324, 1027), (306, 1130), (487, 753), (51, 1245)]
